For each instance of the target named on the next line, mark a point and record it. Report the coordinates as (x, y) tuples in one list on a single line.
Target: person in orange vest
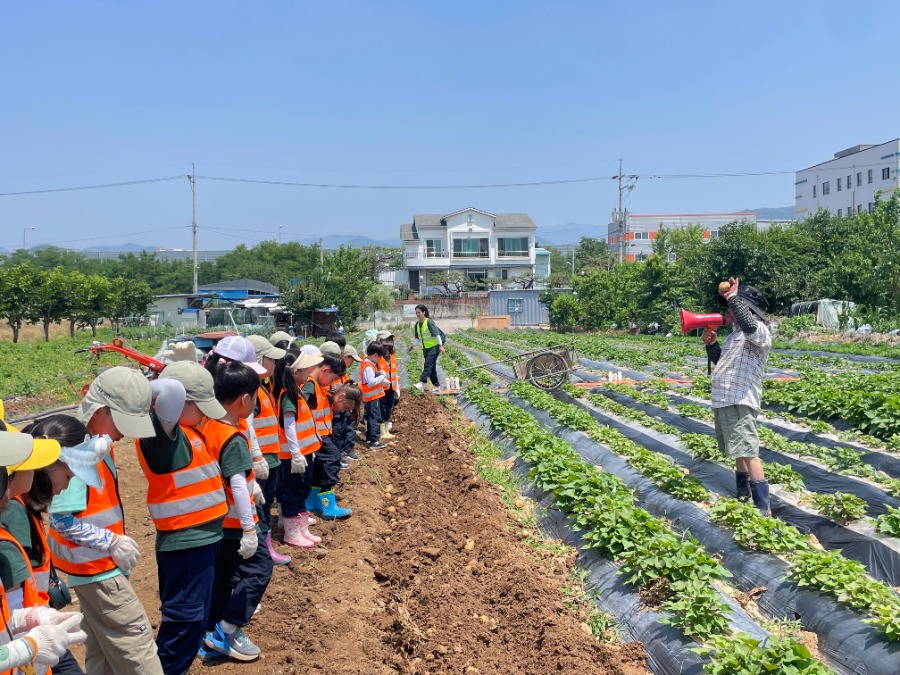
[(299, 440), (388, 364), (187, 505), (327, 463), (371, 382), (346, 439), (264, 441), (243, 568), (87, 534)]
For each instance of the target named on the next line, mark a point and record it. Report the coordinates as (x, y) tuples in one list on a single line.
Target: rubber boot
[(280, 517), (312, 502), (742, 485), (329, 506), (293, 535), (277, 558), (304, 529), (385, 434), (759, 490)]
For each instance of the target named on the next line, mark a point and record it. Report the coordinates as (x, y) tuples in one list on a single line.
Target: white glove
[(298, 463), (54, 641), (124, 552), (258, 498), (32, 617), (249, 544), (184, 351), (260, 468)]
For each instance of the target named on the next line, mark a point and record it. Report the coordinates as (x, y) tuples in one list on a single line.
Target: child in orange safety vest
[(371, 382), (388, 364)]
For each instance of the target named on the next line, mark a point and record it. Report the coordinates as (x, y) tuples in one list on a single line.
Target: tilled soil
[(433, 579)]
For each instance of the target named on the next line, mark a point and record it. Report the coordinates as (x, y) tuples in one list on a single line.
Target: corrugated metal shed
[(522, 305)]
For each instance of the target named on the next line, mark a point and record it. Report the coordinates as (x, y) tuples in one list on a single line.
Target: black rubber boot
[(759, 490), (742, 485)]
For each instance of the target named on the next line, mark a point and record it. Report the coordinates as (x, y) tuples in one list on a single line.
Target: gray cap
[(264, 347), (127, 395), (198, 386), (280, 336), (384, 335), (350, 351), (330, 347)]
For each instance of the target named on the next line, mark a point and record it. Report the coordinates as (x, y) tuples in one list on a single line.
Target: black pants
[(296, 487), (239, 584), (185, 592), (343, 432), (430, 369), (387, 404), (327, 465), (69, 666), (373, 421)]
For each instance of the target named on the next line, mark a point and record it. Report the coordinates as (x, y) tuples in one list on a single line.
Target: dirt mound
[(433, 579)]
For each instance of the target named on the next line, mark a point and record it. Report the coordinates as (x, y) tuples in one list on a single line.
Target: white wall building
[(849, 182), (483, 246), (636, 241)]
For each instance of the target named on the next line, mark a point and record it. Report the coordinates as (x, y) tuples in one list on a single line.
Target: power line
[(406, 187), (90, 187), (122, 234)]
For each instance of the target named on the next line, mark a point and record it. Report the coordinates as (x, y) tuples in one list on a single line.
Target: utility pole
[(193, 179), (622, 224)]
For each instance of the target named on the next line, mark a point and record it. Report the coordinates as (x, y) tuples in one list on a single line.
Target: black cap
[(753, 297)]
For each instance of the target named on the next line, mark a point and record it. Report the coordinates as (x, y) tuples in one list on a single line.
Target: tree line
[(855, 258)]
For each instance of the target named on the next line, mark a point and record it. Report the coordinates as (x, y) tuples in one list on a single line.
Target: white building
[(636, 241), (849, 182), (485, 247)]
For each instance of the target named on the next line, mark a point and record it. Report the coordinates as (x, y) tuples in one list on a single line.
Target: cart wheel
[(548, 371)]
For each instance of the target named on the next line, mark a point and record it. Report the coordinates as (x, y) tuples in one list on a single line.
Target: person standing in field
[(737, 387), (426, 332)]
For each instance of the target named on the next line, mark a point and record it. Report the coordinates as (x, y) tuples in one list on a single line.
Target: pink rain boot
[(292, 534), (304, 528), (277, 558)]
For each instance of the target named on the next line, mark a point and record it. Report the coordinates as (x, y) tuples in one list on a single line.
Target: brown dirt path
[(401, 591)]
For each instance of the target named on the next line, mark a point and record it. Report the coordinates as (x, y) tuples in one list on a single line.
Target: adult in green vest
[(426, 332)]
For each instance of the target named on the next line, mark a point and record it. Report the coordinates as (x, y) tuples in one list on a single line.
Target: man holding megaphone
[(737, 386)]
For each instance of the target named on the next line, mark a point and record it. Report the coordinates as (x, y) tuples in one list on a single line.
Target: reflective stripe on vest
[(305, 426), (427, 342), (42, 550), (103, 510), (30, 596), (385, 368), (218, 434), (370, 392), (188, 497), (395, 376), (266, 423), (322, 414)]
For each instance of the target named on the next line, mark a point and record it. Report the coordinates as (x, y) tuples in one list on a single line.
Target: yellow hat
[(21, 452)]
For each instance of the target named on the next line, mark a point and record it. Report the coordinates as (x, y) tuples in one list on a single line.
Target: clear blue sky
[(406, 93)]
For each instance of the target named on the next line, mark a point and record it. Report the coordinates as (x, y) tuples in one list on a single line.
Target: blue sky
[(420, 93)]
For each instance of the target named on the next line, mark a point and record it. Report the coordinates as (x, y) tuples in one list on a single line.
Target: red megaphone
[(691, 321)]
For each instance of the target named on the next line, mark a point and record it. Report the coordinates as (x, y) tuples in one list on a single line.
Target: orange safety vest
[(30, 595), (393, 378), (266, 424), (186, 497), (322, 414), (218, 434), (39, 538), (370, 392), (305, 426), (104, 509)]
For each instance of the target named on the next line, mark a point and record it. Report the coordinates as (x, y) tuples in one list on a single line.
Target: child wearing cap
[(297, 432), (87, 534), (243, 567), (371, 382), (388, 365), (187, 505), (345, 438), (264, 441)]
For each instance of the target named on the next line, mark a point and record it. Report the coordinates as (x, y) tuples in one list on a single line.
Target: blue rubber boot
[(312, 502), (759, 489), (329, 507), (742, 485)]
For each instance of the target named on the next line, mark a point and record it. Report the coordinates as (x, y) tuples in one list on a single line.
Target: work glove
[(53, 641), (184, 351), (258, 498), (249, 544), (260, 468), (298, 463), (124, 552), (32, 617)]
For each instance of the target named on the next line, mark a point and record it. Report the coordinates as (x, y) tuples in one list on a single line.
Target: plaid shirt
[(737, 378)]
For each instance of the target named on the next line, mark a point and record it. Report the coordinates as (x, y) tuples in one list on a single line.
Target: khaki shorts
[(736, 431)]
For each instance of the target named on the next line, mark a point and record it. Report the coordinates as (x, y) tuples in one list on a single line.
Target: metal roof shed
[(522, 305)]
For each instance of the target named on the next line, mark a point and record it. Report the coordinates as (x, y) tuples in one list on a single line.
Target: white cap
[(237, 348)]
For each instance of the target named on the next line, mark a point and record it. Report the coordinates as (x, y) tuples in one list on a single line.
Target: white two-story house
[(485, 247)]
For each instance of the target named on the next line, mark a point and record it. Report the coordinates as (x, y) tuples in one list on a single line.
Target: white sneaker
[(420, 386), (435, 390)]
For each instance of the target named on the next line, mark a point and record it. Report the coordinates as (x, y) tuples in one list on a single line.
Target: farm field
[(635, 468)]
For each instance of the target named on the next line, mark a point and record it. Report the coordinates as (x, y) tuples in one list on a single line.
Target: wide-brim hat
[(752, 296), (308, 357)]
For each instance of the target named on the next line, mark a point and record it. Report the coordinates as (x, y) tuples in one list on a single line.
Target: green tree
[(565, 312), (51, 298), (609, 296), (592, 254), (90, 301), (18, 287), (127, 298)]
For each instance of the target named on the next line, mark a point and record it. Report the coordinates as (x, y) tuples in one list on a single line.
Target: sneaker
[(420, 386), (236, 645), (376, 445), (208, 655), (435, 390), (257, 610), (350, 455), (344, 463)]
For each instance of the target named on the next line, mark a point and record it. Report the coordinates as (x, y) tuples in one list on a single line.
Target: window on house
[(849, 182), (839, 213), (515, 305), (859, 179), (501, 274), (869, 174), (476, 277), (826, 188), (508, 247), (886, 173), (641, 236), (839, 184), (640, 257), (871, 207), (814, 190), (713, 234), (859, 208), (434, 248), (471, 248)]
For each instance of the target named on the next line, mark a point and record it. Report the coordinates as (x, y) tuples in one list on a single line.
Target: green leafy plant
[(741, 654), (839, 506), (889, 523)]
